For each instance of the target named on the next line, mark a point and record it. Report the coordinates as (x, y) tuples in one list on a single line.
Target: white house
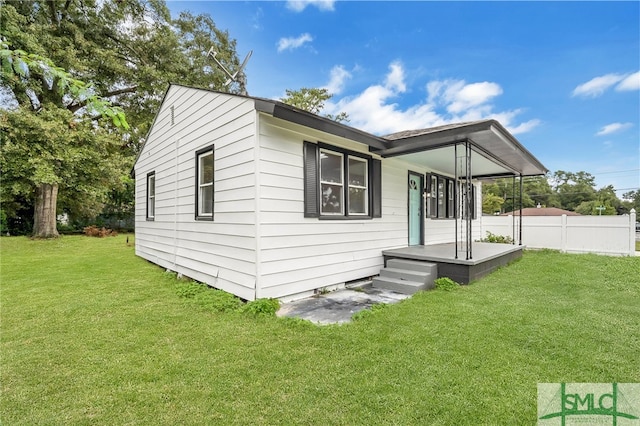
[(262, 199)]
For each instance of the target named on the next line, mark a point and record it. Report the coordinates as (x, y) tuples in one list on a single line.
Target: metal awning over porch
[(494, 151), (465, 151)]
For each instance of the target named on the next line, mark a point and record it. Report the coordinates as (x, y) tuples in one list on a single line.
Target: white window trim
[(151, 198), (365, 186), (341, 183), (201, 185)]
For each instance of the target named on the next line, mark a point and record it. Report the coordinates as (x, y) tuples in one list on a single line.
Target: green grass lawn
[(91, 334)]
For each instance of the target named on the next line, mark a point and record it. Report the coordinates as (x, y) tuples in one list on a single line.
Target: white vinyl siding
[(260, 243), (221, 253), (299, 254)]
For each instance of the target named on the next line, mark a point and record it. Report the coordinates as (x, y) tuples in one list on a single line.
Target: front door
[(416, 222)]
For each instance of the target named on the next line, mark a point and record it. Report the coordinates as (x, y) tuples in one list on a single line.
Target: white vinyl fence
[(610, 235)]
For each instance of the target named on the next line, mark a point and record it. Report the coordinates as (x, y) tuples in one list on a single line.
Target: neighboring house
[(541, 211), (262, 199)]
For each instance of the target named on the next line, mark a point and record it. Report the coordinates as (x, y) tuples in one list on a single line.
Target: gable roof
[(494, 151)]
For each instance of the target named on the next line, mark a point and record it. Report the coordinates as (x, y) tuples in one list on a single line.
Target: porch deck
[(486, 257)]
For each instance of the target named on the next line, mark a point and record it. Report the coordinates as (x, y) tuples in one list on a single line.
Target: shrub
[(220, 301), (493, 238), (94, 231), (262, 307), (217, 300), (189, 289), (446, 284)]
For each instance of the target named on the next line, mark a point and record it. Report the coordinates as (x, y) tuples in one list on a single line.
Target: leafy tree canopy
[(566, 190), (312, 100), (98, 70)]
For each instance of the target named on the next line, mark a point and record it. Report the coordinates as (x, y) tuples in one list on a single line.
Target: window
[(451, 212), (340, 184), (442, 196), (331, 183), (433, 198), (151, 196), (204, 184), (358, 186)]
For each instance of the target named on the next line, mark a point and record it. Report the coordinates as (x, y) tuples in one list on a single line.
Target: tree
[(574, 188), (632, 199), (503, 188), (45, 146), (312, 100), (126, 52), (595, 208), (491, 203), (49, 152), (540, 192)]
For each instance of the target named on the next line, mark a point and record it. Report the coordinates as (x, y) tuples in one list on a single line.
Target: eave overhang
[(494, 151), (295, 115)]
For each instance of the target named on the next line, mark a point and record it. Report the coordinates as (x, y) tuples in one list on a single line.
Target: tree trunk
[(44, 217)]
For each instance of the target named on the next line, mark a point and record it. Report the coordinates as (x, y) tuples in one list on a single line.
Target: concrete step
[(405, 274), (413, 265), (400, 286)]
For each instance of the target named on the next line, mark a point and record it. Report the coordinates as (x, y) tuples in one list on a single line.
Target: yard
[(91, 334)]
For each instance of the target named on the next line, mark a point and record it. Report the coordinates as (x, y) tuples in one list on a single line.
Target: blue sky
[(563, 77)]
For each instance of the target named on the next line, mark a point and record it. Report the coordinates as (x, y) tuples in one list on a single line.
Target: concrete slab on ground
[(338, 307)]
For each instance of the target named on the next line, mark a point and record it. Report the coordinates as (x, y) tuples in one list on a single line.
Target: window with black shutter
[(340, 184)]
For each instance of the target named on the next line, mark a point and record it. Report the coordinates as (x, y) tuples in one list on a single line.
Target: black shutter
[(376, 188), (311, 176)]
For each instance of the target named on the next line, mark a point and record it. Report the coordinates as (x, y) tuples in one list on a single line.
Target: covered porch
[(462, 154)]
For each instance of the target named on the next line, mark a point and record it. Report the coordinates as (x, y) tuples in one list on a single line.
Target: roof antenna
[(236, 77)]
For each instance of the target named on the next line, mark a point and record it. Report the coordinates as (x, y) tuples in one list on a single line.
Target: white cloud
[(461, 96), (525, 127), (598, 85), (290, 43), (613, 128), (337, 79), (447, 101), (631, 82), (256, 19), (395, 78), (300, 5)]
